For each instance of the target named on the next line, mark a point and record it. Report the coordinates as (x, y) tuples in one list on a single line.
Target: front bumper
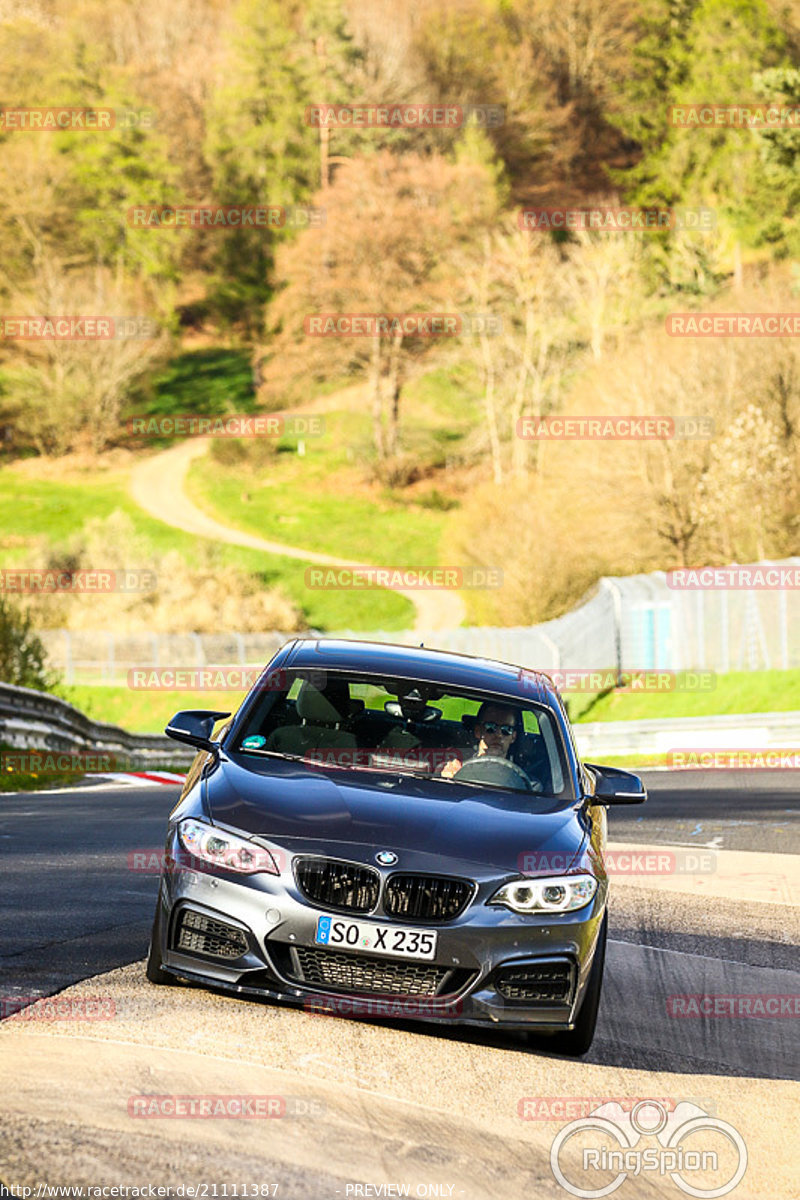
[(473, 952)]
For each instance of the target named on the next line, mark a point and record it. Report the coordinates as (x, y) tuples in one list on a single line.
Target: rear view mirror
[(195, 727), (615, 786)]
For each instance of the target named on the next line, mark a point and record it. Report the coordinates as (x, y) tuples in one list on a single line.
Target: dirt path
[(158, 486)]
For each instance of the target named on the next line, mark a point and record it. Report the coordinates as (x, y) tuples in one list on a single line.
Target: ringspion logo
[(692, 1148)]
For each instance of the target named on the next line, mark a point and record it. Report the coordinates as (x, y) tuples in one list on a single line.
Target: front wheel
[(575, 1042), (155, 969)]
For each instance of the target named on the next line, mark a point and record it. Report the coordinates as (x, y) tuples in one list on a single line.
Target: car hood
[(340, 812)]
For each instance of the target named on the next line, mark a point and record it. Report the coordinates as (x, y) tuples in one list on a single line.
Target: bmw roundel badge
[(386, 858)]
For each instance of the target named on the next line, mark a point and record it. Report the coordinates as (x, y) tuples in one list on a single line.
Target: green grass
[(143, 711), (209, 382), (55, 510), (12, 779), (317, 500), (768, 691), (299, 500), (734, 692)]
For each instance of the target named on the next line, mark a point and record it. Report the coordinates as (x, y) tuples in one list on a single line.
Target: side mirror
[(615, 786), (195, 727)]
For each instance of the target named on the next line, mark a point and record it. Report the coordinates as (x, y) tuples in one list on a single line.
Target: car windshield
[(341, 721)]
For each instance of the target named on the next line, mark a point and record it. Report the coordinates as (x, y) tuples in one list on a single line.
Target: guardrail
[(750, 731), (36, 720), (30, 719)]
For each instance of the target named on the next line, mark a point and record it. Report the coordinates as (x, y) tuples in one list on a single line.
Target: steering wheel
[(492, 769)]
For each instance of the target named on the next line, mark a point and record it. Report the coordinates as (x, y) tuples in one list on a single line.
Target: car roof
[(418, 662)]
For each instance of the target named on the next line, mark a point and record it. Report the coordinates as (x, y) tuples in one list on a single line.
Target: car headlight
[(224, 850), (562, 893)]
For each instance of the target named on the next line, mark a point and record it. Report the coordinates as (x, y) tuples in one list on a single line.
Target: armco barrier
[(30, 719)]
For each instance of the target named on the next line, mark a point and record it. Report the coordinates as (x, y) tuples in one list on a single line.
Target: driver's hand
[(449, 769)]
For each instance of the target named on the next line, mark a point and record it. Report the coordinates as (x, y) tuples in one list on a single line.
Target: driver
[(495, 733)]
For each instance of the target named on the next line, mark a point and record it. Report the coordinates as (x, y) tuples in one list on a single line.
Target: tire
[(155, 970), (577, 1041)]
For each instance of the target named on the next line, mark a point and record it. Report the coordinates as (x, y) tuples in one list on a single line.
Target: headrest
[(317, 708)]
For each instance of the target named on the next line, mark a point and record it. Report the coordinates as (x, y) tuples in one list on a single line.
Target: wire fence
[(637, 622)]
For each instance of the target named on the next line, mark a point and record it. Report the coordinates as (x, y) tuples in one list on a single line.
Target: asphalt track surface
[(74, 909)]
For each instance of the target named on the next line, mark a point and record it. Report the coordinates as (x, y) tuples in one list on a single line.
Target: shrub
[(22, 655)]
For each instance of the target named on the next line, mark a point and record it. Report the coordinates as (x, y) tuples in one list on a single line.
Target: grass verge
[(733, 693), (55, 509)]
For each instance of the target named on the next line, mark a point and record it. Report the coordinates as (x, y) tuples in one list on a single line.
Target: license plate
[(344, 934)]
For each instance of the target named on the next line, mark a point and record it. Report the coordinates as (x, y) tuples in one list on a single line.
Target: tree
[(72, 391), (702, 52), (379, 252), (260, 144), (23, 660), (520, 279)]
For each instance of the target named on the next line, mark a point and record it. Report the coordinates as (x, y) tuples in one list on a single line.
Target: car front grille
[(536, 982), (343, 886), (426, 897), (195, 933), (359, 973)]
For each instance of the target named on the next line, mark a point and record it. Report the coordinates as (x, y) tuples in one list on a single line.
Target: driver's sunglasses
[(492, 727)]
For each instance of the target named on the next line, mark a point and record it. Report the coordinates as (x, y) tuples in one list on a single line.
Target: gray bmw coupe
[(393, 832)]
